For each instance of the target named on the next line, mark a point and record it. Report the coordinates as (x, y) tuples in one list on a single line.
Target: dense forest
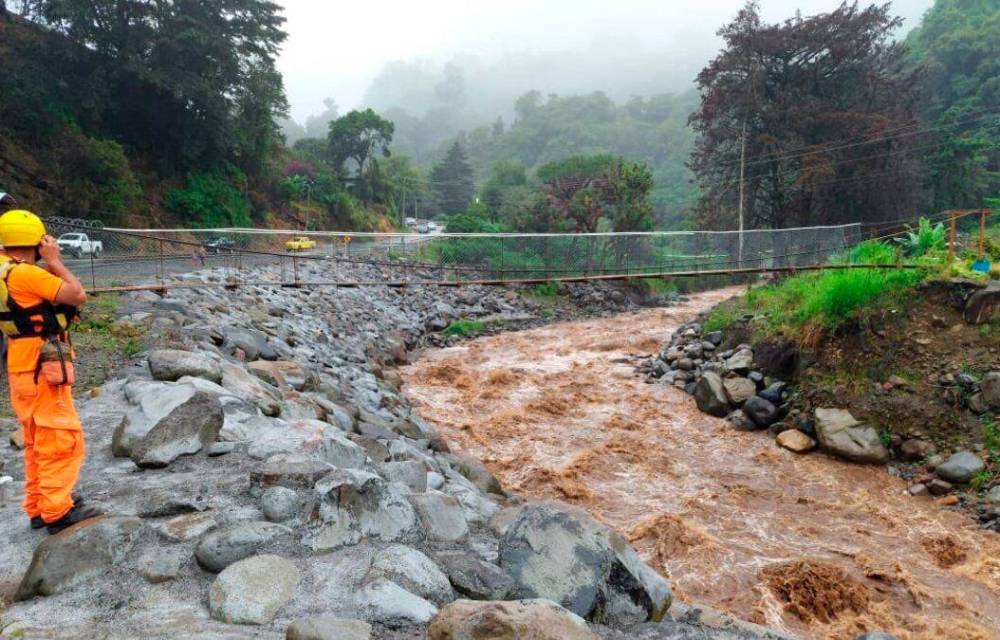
[(142, 112)]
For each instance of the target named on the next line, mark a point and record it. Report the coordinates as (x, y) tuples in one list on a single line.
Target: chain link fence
[(105, 257)]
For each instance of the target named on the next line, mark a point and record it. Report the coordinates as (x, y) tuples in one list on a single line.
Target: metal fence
[(117, 257)]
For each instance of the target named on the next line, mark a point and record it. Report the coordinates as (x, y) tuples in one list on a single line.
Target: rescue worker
[(36, 308)]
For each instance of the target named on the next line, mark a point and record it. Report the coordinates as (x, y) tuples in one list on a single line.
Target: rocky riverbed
[(264, 477)]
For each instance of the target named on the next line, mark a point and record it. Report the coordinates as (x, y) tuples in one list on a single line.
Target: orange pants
[(53, 444)]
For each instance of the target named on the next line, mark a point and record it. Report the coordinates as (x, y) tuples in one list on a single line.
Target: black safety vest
[(43, 320)]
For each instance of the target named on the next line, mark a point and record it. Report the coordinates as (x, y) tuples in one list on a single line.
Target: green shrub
[(212, 199), (546, 290), (464, 328), (97, 178), (924, 239)]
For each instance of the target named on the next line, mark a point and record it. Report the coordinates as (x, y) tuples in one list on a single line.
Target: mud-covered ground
[(810, 545)]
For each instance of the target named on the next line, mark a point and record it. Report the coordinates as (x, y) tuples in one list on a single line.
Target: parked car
[(432, 225), (79, 245), (411, 222), (300, 243), (219, 244), (423, 228)]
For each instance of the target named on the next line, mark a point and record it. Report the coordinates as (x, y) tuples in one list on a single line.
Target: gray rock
[(412, 473), (842, 435), (186, 526), (710, 395), (476, 472), (357, 504), (171, 420), (961, 467), (281, 503), (760, 411), (984, 305), (413, 571), (739, 389), (328, 628), (774, 393), (473, 577), (991, 389), (740, 362), (715, 337), (441, 516), (993, 495), (516, 620), (252, 591), (560, 553), (288, 470), (876, 635), (233, 543), (740, 421), (77, 555), (162, 565), (385, 601), (248, 387), (251, 342), (172, 364)]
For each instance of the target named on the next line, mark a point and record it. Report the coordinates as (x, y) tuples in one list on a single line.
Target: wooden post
[(951, 237), (982, 233)]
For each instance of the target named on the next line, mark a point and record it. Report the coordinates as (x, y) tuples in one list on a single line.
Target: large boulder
[(473, 577), (78, 554), (384, 601), (250, 388), (560, 553), (233, 543), (739, 389), (441, 516), (168, 421), (253, 590), (524, 619), (173, 364), (357, 504), (984, 305), (280, 373), (413, 571), (760, 411), (960, 468), (710, 395), (251, 343), (840, 434), (740, 362)]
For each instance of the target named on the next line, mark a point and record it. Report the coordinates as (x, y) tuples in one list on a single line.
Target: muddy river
[(806, 544)]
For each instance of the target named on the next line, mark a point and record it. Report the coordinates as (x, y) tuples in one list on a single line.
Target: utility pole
[(743, 157)]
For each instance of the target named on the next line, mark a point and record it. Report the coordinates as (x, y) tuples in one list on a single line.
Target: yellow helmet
[(20, 228)]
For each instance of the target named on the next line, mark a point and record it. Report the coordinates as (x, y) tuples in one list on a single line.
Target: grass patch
[(464, 328), (818, 301), (101, 345), (546, 290)]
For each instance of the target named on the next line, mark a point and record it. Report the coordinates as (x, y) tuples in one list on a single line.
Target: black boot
[(74, 516), (38, 523)]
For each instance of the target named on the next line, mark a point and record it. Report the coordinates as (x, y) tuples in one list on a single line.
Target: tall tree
[(958, 46), (359, 136), (820, 107), (451, 181)]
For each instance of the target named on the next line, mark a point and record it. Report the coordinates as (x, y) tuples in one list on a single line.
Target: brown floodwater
[(806, 544)]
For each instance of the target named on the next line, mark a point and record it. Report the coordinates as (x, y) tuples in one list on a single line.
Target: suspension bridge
[(162, 259)]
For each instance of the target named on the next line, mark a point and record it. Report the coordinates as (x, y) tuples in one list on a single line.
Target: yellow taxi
[(300, 243)]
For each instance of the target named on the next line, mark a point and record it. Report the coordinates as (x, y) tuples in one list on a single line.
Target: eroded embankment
[(808, 544)]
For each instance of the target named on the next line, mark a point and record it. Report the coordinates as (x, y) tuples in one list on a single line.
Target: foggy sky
[(336, 48)]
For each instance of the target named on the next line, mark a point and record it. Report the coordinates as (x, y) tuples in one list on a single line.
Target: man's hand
[(48, 249)]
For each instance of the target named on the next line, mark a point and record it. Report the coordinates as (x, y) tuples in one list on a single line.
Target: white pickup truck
[(79, 245)]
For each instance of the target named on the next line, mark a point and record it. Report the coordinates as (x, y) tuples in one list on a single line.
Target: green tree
[(507, 174), (182, 75), (451, 181), (958, 47), (359, 136)]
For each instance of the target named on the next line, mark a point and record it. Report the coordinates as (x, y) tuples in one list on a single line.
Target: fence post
[(951, 238), (982, 234), (161, 262), (93, 276), (501, 275)]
